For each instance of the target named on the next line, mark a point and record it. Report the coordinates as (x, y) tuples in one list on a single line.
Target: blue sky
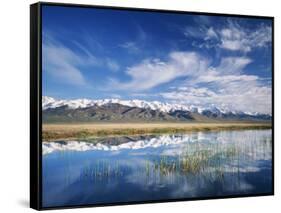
[(175, 58)]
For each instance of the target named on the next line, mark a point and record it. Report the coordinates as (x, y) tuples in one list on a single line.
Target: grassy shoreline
[(53, 132)]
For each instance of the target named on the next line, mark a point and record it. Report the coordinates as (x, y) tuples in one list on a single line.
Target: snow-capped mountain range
[(51, 103)]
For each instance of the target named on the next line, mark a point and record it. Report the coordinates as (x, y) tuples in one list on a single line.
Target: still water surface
[(124, 169)]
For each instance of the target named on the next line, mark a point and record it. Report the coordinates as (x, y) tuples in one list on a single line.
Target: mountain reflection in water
[(124, 169)]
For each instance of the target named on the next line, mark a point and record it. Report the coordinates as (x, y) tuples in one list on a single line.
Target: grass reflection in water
[(211, 161)]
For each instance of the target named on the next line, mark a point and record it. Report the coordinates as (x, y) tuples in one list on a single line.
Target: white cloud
[(112, 65), (117, 96), (135, 45), (195, 32), (153, 72), (233, 65), (236, 38), (225, 85), (62, 63), (211, 34), (232, 37), (65, 64), (131, 47), (227, 89), (208, 37), (262, 36), (90, 59), (235, 45), (237, 96)]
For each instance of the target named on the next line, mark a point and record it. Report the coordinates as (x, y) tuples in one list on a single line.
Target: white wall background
[(14, 105)]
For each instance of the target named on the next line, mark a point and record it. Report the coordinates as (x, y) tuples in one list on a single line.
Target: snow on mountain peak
[(49, 102)]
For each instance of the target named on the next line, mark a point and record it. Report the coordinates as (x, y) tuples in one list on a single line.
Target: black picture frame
[(36, 102)]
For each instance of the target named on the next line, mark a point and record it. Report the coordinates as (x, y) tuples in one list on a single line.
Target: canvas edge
[(152, 10), (35, 100)]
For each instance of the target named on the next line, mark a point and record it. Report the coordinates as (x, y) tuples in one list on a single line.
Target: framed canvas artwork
[(131, 106)]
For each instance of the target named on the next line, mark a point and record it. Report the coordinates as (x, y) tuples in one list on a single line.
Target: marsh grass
[(209, 161), (101, 170), (83, 131), (212, 162)]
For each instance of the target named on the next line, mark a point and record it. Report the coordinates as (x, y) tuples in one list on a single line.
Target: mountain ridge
[(111, 110), (49, 102)]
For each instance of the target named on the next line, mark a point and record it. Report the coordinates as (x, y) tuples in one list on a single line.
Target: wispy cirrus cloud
[(135, 45), (131, 46), (107, 62), (236, 38), (153, 72), (112, 64), (232, 36), (225, 85), (195, 31), (62, 63), (242, 95), (217, 86), (233, 65), (66, 64)]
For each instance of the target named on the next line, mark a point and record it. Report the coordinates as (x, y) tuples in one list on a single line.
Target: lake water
[(124, 169)]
